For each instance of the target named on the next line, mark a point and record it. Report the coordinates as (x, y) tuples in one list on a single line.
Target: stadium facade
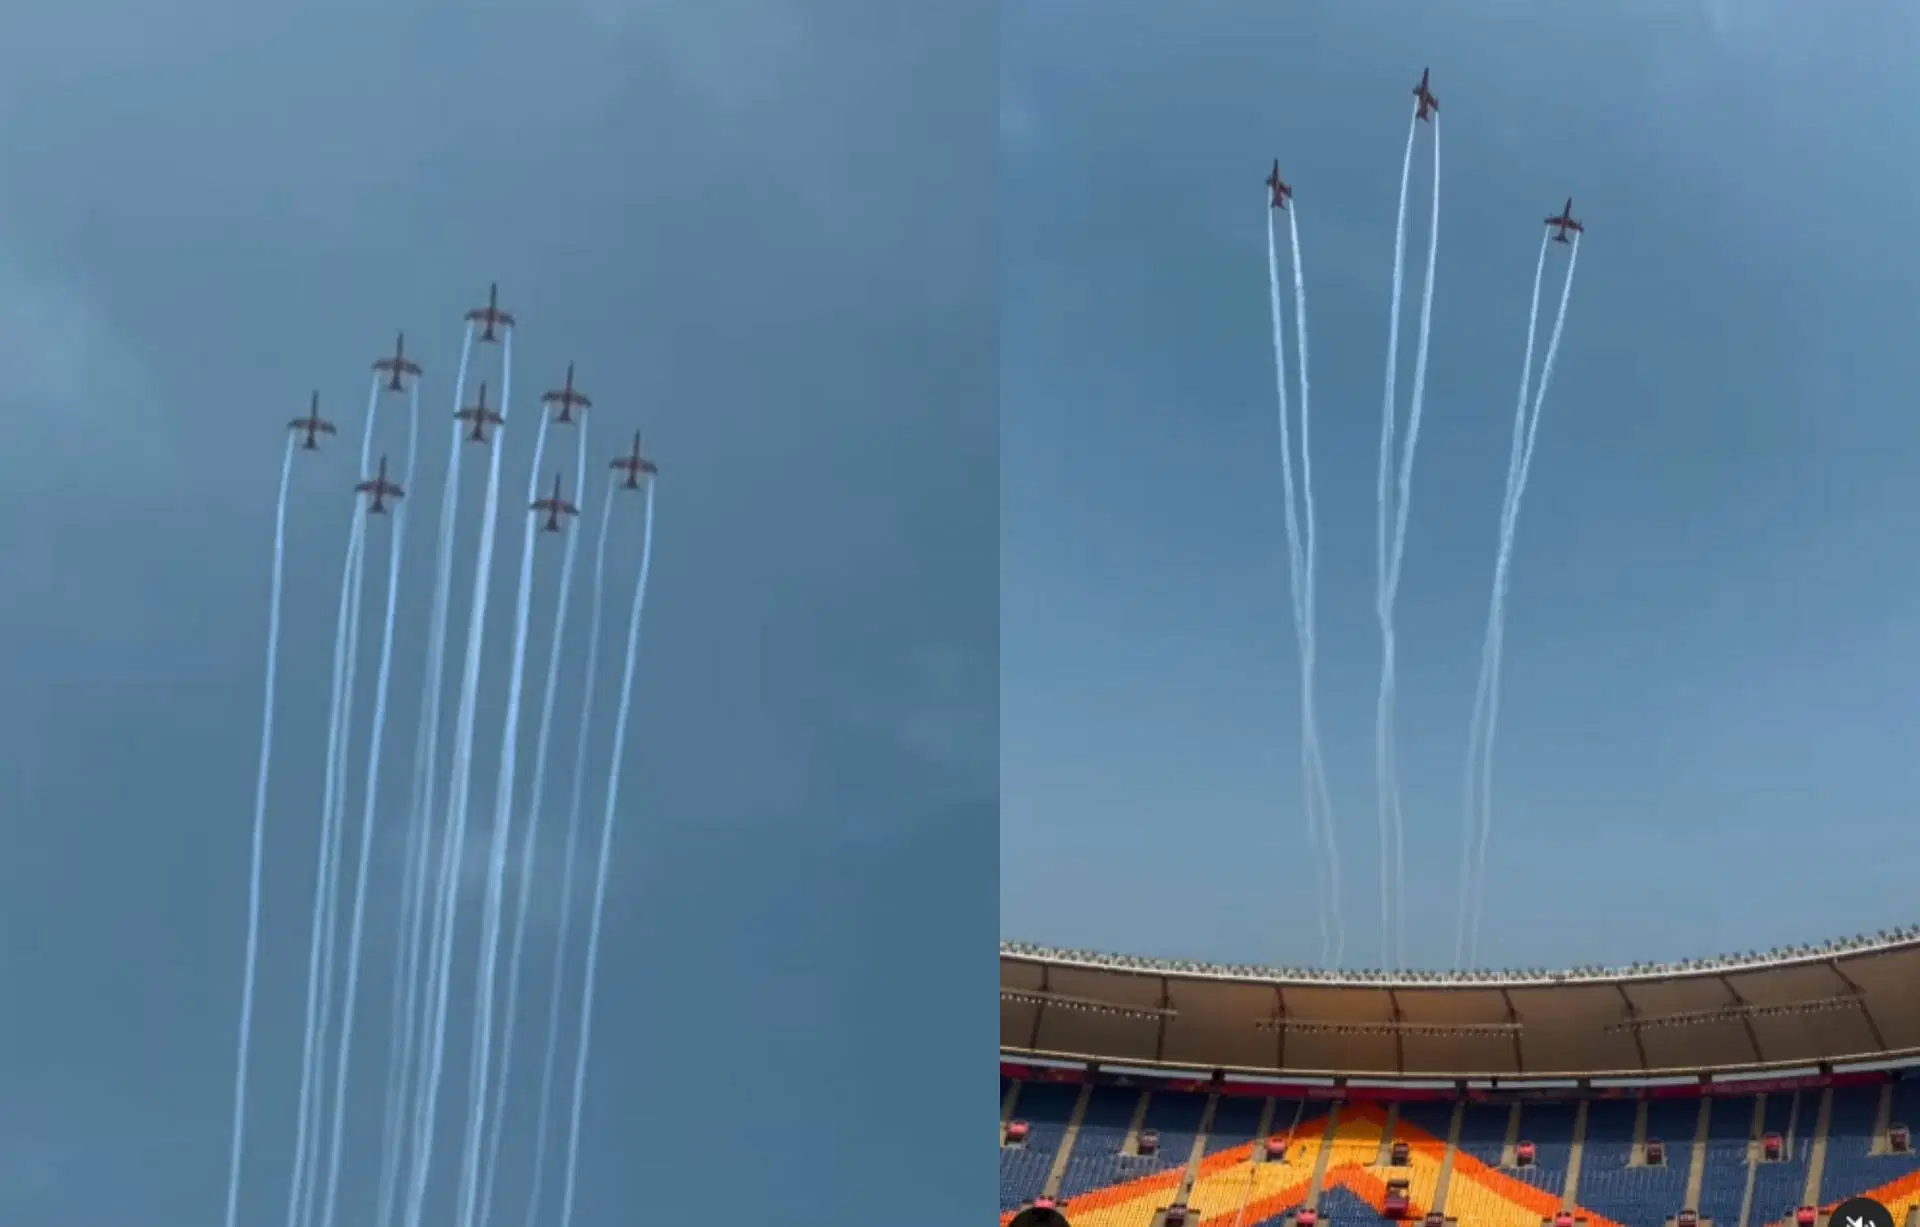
[(1751, 1091)]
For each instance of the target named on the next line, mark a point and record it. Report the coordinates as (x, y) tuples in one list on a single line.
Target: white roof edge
[(1886, 941)]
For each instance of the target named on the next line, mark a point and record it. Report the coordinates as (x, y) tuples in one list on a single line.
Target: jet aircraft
[(480, 415), (633, 465), (555, 507), (1565, 222), (490, 314), (566, 400), (314, 425), (381, 489), (1278, 186), (1429, 105), (398, 366)]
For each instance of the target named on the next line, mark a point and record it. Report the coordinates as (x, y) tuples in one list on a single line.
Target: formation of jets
[(555, 507), (397, 366), (1563, 223), (479, 416), (314, 425), (381, 489)]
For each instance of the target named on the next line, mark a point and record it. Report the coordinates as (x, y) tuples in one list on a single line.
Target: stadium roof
[(1837, 1003)]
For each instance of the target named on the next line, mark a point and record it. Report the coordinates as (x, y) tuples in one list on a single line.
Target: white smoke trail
[(337, 853), (259, 841), (1329, 829), (376, 739), (1383, 489), (483, 1004), (1296, 590), (569, 857), (310, 1037), (1383, 497), (1502, 573), (426, 755), (600, 873), (1402, 502), (1476, 725), (429, 960), (458, 794), (327, 877), (1398, 551), (529, 845), (337, 858)]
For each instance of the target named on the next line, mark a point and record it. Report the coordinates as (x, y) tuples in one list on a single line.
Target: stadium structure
[(1761, 1090)]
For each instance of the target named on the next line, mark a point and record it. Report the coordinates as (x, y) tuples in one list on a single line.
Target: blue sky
[(764, 231), (1706, 738)]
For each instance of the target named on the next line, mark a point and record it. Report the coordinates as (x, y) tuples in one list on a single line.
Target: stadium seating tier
[(1082, 1148)]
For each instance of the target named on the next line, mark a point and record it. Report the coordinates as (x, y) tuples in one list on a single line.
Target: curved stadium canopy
[(1840, 1003)]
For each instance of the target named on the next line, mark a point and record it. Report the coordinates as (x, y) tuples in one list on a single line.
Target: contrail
[(1402, 502), (1319, 807), (569, 857), (529, 845), (259, 841), (1502, 571), (1383, 497), (600, 875), (426, 949), (458, 789), (1325, 798), (1383, 491), (1503, 574), (319, 990), (1296, 589), (1476, 725), (336, 855), (375, 743), (326, 882), (482, 1055), (413, 907)]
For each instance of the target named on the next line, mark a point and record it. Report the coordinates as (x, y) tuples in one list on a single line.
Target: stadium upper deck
[(1115, 1150), (1838, 1003)]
